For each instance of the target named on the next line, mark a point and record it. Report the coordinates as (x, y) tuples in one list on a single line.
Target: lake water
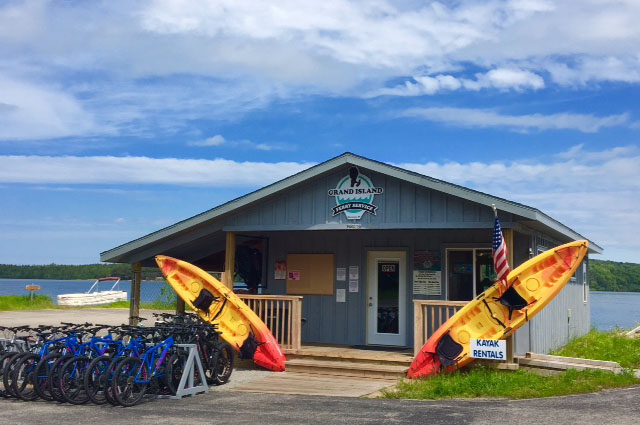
[(150, 291), (608, 309), (611, 309)]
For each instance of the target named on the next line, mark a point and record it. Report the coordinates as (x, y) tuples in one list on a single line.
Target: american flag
[(500, 254)]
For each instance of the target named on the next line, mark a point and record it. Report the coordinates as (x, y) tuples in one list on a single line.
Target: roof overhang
[(123, 253)]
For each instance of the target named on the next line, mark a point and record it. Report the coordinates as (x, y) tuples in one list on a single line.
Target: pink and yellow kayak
[(495, 315), (218, 305)]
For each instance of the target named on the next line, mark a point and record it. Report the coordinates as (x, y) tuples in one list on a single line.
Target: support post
[(134, 306), (229, 260), (179, 306), (508, 240), (418, 328), (296, 329)]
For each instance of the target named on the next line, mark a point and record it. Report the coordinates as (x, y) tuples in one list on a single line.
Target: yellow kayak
[(495, 315), (218, 305)]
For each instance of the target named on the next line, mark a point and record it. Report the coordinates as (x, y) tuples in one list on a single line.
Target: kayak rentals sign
[(490, 349), (354, 195)]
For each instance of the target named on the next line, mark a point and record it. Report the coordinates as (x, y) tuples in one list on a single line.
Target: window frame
[(446, 265)]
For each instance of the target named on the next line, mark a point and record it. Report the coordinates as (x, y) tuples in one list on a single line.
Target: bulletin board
[(310, 274)]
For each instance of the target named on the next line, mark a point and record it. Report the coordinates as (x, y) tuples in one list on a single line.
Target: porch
[(284, 316)]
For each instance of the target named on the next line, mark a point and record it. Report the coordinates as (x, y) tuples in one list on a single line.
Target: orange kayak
[(495, 315), (218, 305)]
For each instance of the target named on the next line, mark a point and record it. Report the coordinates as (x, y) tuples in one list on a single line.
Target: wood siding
[(408, 218), (402, 205)]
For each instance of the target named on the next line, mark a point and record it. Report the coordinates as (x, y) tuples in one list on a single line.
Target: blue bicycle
[(134, 375)]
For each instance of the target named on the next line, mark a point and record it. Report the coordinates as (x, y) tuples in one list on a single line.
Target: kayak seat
[(204, 300), (249, 347), (512, 300), (448, 350)]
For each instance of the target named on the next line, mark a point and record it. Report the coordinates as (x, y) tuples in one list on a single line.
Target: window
[(469, 272)]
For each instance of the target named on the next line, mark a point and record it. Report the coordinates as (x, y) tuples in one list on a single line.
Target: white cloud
[(500, 78), (483, 118), (218, 140), (143, 170), (507, 78), (331, 45), (219, 59), (32, 111), (594, 192)]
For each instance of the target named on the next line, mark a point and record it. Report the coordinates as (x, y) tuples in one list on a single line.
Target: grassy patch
[(24, 302), (484, 382), (159, 305), (600, 345)]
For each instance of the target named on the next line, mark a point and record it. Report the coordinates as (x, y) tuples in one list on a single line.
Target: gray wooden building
[(375, 254)]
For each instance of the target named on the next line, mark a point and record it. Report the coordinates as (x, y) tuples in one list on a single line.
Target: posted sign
[(489, 349)]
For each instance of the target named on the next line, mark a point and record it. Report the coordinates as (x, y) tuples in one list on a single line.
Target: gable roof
[(501, 204)]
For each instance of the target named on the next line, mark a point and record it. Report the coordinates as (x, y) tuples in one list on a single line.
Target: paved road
[(610, 407)]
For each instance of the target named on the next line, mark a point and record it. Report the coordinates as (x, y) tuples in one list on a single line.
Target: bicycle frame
[(151, 362)]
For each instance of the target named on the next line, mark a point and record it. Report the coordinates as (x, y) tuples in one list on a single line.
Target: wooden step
[(559, 363), (353, 356), (634, 333), (346, 368)]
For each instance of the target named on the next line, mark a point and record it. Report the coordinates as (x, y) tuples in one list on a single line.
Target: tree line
[(73, 272), (603, 275), (614, 276)]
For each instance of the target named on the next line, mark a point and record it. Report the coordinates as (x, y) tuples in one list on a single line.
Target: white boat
[(95, 297)]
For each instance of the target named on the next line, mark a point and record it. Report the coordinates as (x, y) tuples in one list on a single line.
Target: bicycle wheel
[(72, 380), (41, 375), (22, 382), (4, 361), (95, 379), (173, 370), (223, 363), (208, 359), (8, 373), (108, 391), (130, 381), (55, 387)]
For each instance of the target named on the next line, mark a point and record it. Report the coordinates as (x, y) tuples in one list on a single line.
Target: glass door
[(386, 298)]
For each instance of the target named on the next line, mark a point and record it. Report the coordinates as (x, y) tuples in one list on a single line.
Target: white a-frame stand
[(187, 386)]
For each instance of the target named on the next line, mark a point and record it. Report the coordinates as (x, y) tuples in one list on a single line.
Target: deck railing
[(281, 313), (428, 316)]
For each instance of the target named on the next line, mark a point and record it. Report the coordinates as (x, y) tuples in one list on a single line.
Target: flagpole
[(495, 210)]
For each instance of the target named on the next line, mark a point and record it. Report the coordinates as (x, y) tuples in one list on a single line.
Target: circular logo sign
[(354, 195)]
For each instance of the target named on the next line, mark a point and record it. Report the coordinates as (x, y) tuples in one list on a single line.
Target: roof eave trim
[(561, 228), (278, 186)]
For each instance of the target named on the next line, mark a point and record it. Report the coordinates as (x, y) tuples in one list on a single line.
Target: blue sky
[(119, 118)]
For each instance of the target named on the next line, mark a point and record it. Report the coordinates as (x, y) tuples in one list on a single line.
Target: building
[(380, 255)]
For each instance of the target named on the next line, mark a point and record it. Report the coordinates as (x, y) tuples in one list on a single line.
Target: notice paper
[(354, 272), (341, 295), (341, 274), (353, 286)]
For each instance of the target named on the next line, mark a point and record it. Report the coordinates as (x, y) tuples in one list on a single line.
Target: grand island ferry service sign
[(354, 195)]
